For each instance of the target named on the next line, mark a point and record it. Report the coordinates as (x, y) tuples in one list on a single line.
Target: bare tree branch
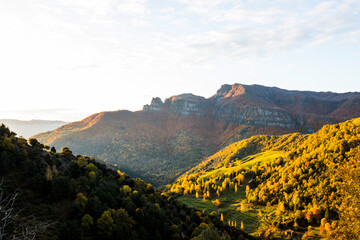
[(25, 227)]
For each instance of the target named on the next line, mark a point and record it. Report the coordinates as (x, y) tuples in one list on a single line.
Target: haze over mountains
[(31, 127), (167, 138)]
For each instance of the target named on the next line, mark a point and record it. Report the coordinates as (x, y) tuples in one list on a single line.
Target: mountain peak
[(262, 105), (228, 90), (189, 97)]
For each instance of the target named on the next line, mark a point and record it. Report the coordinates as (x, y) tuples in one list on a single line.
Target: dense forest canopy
[(307, 180), (46, 194)]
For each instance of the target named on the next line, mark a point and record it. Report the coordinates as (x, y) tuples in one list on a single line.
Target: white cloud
[(134, 7), (253, 31), (80, 43), (139, 22)]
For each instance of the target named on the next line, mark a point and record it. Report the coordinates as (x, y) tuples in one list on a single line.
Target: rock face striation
[(184, 104), (265, 106)]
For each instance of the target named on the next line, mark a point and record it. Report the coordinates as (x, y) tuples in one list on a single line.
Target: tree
[(211, 233), (91, 167), (53, 149), (4, 162), (105, 224), (217, 202), (122, 219), (349, 222), (127, 188), (86, 222), (12, 226), (66, 151), (81, 200), (33, 142), (92, 175), (6, 214)]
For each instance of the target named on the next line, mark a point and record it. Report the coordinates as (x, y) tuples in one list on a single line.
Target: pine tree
[(4, 162)]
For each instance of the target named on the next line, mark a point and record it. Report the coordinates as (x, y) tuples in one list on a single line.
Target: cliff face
[(265, 106), (184, 104)]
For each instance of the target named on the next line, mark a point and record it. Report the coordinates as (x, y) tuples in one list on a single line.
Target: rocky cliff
[(265, 106)]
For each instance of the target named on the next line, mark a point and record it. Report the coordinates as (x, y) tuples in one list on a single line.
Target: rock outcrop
[(184, 104), (265, 106)]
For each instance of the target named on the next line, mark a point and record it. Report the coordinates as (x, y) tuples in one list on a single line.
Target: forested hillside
[(156, 146), (46, 194), (168, 138), (304, 185)]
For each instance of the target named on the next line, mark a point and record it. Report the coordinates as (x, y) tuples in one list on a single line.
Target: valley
[(168, 138), (180, 120)]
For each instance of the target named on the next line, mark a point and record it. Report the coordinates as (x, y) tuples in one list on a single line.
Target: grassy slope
[(246, 162), (260, 151), (231, 200)]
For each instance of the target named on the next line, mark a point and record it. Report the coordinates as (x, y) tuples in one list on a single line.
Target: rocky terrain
[(267, 106)]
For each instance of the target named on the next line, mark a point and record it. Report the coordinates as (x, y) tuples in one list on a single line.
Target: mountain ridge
[(27, 128), (241, 103), (167, 138)]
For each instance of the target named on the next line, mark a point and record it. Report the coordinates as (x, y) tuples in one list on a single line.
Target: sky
[(67, 59)]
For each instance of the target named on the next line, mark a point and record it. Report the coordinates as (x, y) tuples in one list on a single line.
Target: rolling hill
[(166, 139), (303, 184), (55, 195), (31, 127)]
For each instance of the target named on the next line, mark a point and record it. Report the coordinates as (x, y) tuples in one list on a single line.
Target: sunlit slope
[(298, 177), (156, 146), (246, 153)]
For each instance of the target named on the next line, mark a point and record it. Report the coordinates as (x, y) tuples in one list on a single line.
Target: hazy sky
[(66, 59)]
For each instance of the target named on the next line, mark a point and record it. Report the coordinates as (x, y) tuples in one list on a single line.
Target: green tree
[(66, 151), (81, 200), (53, 149), (87, 223), (105, 224), (33, 142)]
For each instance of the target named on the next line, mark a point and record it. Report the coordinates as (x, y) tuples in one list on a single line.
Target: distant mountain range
[(27, 129), (167, 138)]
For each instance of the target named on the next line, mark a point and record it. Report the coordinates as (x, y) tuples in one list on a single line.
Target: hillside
[(156, 146), (29, 128), (306, 185), (46, 194), (167, 138)]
